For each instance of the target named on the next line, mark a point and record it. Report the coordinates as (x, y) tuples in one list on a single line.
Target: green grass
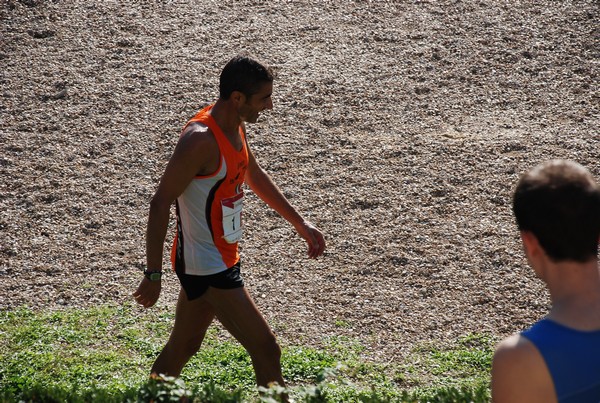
[(104, 354), (466, 364)]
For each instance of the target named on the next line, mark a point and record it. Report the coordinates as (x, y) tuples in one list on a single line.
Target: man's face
[(257, 103)]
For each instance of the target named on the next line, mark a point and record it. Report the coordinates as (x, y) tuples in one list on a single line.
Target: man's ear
[(238, 97), (531, 244)]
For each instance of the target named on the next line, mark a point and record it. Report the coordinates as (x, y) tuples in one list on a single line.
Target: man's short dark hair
[(559, 202), (245, 74)]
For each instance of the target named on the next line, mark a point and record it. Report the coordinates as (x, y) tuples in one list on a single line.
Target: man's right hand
[(147, 292)]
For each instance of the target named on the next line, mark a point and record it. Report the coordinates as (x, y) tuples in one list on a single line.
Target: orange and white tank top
[(209, 211)]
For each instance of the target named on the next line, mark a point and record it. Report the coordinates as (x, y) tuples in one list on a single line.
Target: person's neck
[(575, 292), (226, 117)]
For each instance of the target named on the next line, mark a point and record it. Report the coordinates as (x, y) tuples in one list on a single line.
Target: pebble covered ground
[(400, 128)]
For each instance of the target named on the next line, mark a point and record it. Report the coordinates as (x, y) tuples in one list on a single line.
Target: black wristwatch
[(153, 275)]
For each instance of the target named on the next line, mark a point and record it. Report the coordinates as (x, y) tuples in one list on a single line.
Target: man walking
[(204, 178)]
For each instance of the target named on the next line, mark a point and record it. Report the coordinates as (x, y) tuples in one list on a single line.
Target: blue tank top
[(572, 357)]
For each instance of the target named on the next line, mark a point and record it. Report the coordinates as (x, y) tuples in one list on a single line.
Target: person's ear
[(531, 244), (238, 97)]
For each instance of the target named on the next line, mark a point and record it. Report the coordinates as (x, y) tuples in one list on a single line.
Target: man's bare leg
[(192, 318), (236, 310)]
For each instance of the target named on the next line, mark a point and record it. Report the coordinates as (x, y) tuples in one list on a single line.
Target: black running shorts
[(195, 286)]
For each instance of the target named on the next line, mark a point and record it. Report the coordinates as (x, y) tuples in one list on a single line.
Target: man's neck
[(575, 292), (226, 117)]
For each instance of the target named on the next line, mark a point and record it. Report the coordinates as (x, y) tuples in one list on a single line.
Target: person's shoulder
[(519, 372), (197, 135), (515, 347), (197, 147), (196, 130)]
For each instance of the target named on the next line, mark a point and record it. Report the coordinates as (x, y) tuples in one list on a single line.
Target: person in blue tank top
[(557, 209)]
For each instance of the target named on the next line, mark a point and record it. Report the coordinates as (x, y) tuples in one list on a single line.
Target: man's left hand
[(314, 238)]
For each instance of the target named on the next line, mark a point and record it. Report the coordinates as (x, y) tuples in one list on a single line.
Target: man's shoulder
[(514, 347), (196, 128), (197, 134), (519, 372), (197, 143)]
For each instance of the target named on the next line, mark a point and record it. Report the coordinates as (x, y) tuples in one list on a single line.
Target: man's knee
[(186, 346), (193, 345), (269, 347)]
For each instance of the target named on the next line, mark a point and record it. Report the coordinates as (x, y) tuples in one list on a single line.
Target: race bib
[(232, 218)]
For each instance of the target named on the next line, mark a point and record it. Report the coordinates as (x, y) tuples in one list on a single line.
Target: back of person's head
[(244, 74), (559, 202)]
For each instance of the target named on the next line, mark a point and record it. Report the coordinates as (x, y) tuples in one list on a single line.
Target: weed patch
[(104, 354)]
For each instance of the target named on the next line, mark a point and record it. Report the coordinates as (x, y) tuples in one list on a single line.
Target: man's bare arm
[(262, 184), (519, 373), (194, 154)]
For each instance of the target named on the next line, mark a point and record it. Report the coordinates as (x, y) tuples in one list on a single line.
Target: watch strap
[(153, 275)]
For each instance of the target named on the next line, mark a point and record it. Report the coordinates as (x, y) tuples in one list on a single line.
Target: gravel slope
[(400, 128)]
